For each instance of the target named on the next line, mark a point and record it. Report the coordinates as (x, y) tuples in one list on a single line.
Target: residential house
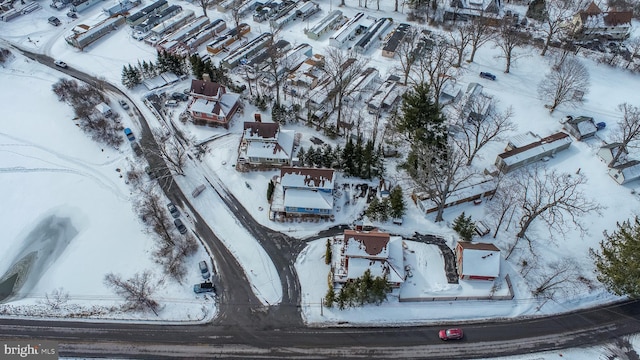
[(81, 5), (264, 145), (84, 35), (359, 251), (477, 261), (474, 189), (386, 95), (593, 23), (305, 9), (211, 104), (580, 127), (532, 152), (227, 39), (461, 10), (244, 53), (450, 93), (215, 28), (163, 14), (365, 81), (142, 15), (177, 39), (347, 32), (608, 151), (169, 25), (373, 33), (329, 22), (394, 40), (304, 192), (122, 7), (625, 172), (307, 75)]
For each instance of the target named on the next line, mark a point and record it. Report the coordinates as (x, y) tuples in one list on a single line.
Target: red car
[(451, 334)]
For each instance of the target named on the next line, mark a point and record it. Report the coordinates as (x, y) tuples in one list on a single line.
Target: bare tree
[(459, 39), (341, 69), (553, 197), (136, 291), (633, 48), (480, 32), (556, 14), (171, 151), (508, 39), (503, 203), (204, 4), (561, 84), (480, 123), (438, 175), (153, 213), (276, 63), (558, 278), (435, 67), (56, 299), (628, 131), (408, 51)]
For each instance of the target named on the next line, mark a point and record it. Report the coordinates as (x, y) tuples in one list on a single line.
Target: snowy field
[(53, 172)]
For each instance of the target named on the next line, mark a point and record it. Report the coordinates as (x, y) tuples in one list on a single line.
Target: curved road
[(245, 329)]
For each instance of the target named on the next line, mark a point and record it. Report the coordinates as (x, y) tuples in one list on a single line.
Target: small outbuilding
[(477, 261), (103, 109)]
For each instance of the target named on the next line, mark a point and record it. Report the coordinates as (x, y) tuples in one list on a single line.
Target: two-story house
[(303, 192), (264, 145), (211, 104)]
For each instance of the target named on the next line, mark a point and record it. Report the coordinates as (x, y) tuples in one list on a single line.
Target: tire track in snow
[(82, 167)]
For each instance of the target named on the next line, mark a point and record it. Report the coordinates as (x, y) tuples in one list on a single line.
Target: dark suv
[(488, 76), (178, 223)]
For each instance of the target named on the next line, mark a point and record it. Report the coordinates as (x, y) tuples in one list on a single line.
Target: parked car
[(173, 210), (203, 287), (199, 189), (204, 270), (179, 96), (488, 76), (54, 21), (129, 134), (451, 334), (601, 125), (180, 226), (72, 14), (171, 103), (60, 63), (123, 104)]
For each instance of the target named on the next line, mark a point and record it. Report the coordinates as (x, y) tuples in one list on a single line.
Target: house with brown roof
[(359, 251), (477, 261), (264, 145), (593, 23), (303, 192), (528, 152), (211, 104)]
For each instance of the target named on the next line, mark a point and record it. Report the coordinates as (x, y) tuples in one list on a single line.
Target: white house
[(626, 172), (532, 152), (264, 145), (477, 261), (608, 151)]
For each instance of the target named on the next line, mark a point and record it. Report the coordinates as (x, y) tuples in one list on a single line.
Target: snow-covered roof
[(312, 178), (480, 259), (523, 139), (392, 265), (281, 148), (308, 199), (366, 244), (546, 145)]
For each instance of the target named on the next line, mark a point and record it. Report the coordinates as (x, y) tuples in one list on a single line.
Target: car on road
[(129, 134), (180, 226), (451, 334), (123, 104), (171, 103), (204, 270), (179, 96), (54, 21), (488, 76), (173, 210), (60, 63), (203, 287)]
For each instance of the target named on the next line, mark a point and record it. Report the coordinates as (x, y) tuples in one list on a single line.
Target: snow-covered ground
[(52, 172)]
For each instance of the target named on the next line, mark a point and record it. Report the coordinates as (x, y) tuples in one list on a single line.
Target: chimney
[(206, 77), (257, 117)]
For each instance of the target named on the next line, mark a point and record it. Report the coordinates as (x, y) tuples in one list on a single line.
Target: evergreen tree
[(327, 156), (309, 157), (618, 259), (342, 298), (197, 66), (337, 157), (374, 207), (367, 160), (396, 202), (270, 188), (464, 227), (347, 157), (330, 297), (384, 209), (301, 155), (357, 157), (126, 78), (327, 253)]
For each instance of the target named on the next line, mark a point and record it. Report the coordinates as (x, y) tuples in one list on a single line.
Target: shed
[(626, 172), (581, 127), (103, 109)]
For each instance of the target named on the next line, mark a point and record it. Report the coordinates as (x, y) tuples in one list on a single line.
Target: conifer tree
[(347, 157), (617, 261), (328, 253), (464, 227), (330, 297), (396, 200)]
